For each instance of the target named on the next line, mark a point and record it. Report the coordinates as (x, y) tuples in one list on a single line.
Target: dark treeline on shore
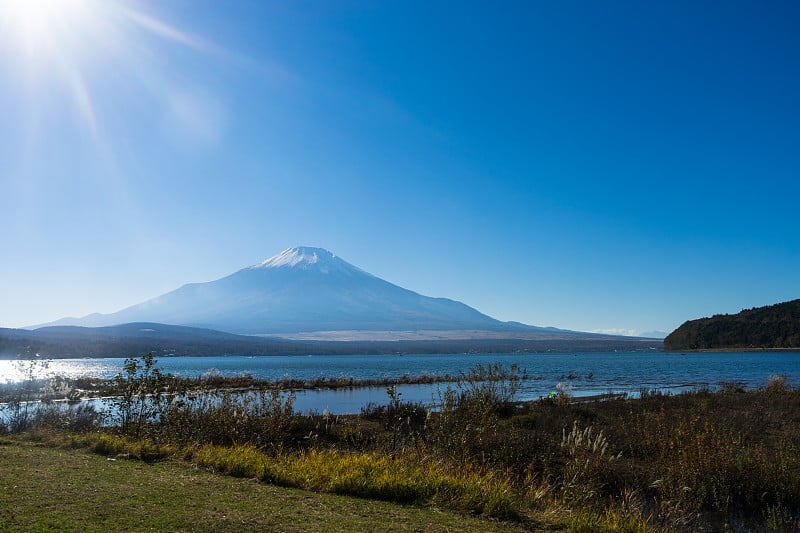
[(162, 340), (770, 327)]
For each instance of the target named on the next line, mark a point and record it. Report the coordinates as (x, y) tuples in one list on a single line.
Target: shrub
[(587, 462), (70, 417), (143, 395), (467, 426), (406, 420), (264, 418)]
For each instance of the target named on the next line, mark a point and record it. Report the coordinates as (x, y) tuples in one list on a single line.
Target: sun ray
[(163, 30), (75, 46), (83, 101)]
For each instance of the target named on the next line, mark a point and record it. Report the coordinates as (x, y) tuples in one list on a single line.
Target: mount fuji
[(303, 289)]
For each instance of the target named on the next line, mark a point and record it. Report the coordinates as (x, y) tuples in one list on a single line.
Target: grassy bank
[(55, 489), (698, 461)]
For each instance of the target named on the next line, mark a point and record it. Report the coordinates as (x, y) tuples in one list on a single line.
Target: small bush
[(264, 418), (142, 395), (588, 462), (467, 426), (777, 385), (69, 417)]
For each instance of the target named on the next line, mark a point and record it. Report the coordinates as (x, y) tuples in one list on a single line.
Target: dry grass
[(694, 461), (55, 489)]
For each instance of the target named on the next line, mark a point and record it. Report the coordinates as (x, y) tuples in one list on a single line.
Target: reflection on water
[(580, 374)]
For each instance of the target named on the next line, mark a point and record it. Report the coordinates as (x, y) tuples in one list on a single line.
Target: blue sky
[(614, 166)]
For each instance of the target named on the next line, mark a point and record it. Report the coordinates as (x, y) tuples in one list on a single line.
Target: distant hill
[(774, 326), (135, 339), (163, 340)]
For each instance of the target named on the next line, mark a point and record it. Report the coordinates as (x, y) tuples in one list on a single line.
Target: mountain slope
[(300, 289), (774, 326)]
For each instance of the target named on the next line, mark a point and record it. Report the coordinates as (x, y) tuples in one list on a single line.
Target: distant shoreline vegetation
[(737, 350), (68, 342), (60, 388), (771, 328)]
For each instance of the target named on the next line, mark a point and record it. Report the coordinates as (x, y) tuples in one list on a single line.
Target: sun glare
[(81, 48), (45, 26)]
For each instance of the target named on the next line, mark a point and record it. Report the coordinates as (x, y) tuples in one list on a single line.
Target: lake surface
[(580, 374)]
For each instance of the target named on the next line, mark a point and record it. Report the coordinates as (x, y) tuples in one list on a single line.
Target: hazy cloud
[(617, 331), (195, 116)]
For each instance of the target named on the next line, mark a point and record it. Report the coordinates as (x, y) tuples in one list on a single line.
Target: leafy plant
[(142, 394), (406, 420)]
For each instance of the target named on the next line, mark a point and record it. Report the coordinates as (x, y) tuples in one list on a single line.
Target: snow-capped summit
[(299, 255), (307, 257)]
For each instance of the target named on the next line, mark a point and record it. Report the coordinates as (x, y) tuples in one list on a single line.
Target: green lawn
[(53, 489)]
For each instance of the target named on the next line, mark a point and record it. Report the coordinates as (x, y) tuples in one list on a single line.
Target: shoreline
[(734, 350)]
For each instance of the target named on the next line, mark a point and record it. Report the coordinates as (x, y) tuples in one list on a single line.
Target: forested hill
[(774, 326)]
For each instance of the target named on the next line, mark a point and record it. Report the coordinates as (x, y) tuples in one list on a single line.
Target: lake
[(580, 374)]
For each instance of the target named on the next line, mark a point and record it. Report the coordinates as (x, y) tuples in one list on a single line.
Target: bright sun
[(49, 44), (46, 26), (88, 57), (82, 48)]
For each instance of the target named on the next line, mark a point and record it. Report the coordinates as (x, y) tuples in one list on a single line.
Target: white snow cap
[(299, 255), (309, 258)]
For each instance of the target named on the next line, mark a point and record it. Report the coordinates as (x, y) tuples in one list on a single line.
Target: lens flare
[(44, 26)]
